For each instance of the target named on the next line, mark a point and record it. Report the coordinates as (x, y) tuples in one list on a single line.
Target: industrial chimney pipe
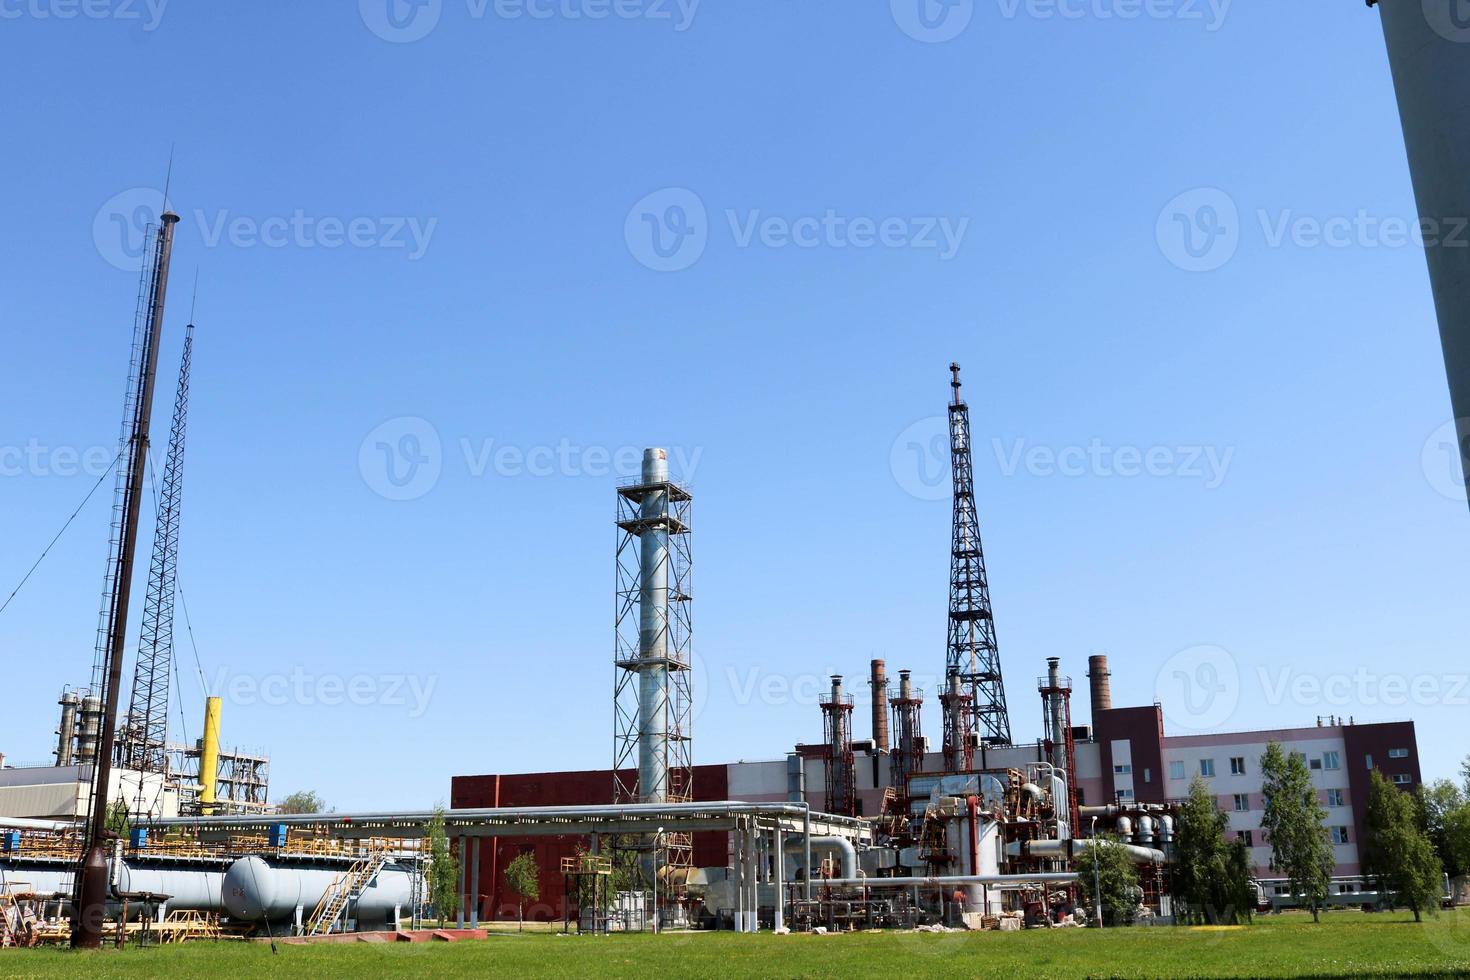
[(1102, 692), (879, 683)]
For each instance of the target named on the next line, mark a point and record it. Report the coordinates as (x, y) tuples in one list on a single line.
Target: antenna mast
[(144, 746), (972, 657)]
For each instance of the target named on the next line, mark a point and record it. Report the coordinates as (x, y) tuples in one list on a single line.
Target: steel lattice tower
[(972, 653), (652, 677), (143, 745)]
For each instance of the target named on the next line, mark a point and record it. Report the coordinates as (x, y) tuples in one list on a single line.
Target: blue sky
[(520, 248)]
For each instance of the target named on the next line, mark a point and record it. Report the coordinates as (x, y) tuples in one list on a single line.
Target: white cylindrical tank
[(189, 889), (256, 889)]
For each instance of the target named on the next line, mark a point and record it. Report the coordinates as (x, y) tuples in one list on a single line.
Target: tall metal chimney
[(879, 684), (1429, 54), (653, 624), (1102, 692), (653, 682)]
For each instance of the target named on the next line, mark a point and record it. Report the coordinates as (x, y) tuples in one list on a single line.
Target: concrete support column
[(779, 877), (738, 867), (463, 886), (475, 883), (753, 879)]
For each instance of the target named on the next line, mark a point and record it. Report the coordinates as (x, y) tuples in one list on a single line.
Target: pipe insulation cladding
[(1429, 55)]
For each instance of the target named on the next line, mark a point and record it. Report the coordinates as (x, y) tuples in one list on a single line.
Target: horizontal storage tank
[(196, 889), (257, 889)]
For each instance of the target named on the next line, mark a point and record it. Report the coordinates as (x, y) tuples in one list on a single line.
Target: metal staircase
[(344, 891)]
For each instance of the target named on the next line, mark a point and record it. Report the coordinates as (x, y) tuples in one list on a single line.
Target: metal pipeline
[(841, 845), (1002, 882), (24, 823), (1053, 849)]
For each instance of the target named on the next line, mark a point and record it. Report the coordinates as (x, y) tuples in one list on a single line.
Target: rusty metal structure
[(841, 765), (957, 707), (907, 756), (1056, 740)]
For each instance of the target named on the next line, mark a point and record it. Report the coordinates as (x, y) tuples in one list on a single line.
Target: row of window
[(1339, 836), (1207, 767), (1242, 801), (1327, 761)]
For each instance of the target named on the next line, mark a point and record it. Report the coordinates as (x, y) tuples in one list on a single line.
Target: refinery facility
[(132, 832)]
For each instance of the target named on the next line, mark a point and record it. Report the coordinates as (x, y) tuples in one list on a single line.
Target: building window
[(1124, 770), (1339, 835), (1148, 775), (1207, 767), (1368, 760), (1402, 779), (1242, 802), (1330, 761), (1334, 797), (1237, 765), (1245, 835), (1315, 765), (1125, 794), (1176, 770), (1398, 753)]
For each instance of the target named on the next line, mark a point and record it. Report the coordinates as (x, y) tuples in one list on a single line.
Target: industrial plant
[(844, 833), (134, 833)]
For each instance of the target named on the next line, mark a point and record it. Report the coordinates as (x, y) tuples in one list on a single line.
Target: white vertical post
[(777, 845)]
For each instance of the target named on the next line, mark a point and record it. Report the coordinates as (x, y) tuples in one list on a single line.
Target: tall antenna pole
[(145, 735), (972, 656), (90, 907)]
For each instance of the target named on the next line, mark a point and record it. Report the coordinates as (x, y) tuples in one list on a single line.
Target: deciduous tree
[(1398, 854), (1293, 823)]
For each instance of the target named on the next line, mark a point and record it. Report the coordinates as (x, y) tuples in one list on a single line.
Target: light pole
[(1096, 883), (657, 836)]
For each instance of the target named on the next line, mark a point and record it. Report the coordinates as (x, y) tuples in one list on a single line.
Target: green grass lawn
[(1345, 944)]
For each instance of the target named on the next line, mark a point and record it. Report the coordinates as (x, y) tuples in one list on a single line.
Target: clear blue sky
[(1320, 544)]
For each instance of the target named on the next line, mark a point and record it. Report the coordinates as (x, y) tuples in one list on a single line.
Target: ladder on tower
[(343, 892)]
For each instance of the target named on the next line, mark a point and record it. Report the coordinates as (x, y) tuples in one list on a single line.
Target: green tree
[(443, 868), (523, 876), (117, 818), (1398, 854), (1105, 870), (1212, 876), (1446, 818), (1293, 822), (303, 801)]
